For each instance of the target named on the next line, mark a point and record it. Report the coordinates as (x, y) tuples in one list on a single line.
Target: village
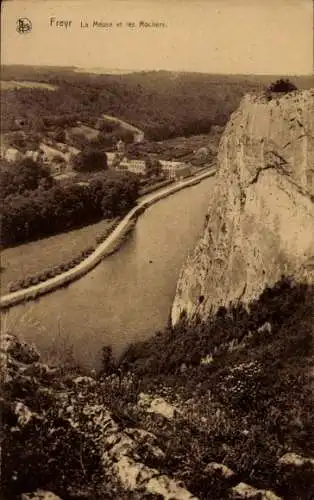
[(119, 160), (60, 157)]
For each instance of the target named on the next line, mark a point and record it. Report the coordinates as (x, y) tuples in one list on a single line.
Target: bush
[(282, 85), (90, 161), (14, 287), (32, 214), (26, 283)]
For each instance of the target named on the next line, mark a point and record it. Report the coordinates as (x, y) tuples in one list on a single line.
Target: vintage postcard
[(157, 249)]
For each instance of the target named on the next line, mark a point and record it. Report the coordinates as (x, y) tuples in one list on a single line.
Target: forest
[(35, 206), (163, 104)]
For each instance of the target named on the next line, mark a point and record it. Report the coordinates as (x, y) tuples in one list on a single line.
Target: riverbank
[(38, 257), (111, 244), (197, 412), (34, 262)]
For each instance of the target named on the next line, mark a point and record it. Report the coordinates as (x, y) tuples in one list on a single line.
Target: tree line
[(161, 106), (45, 208)]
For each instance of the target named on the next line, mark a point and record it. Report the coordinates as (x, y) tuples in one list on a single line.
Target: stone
[(124, 447), (84, 381), (23, 413), (135, 476), (147, 442), (266, 327), (214, 468), (132, 474), (168, 489), (261, 213), (40, 495), (157, 405), (243, 490), (295, 460)]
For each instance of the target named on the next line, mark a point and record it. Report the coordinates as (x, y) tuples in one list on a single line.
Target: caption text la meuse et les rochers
[(68, 24)]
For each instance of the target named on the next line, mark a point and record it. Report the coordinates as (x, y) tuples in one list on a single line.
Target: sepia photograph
[(157, 250)]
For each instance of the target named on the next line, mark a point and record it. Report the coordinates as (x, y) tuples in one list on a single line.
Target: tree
[(25, 175), (283, 85), (90, 160), (153, 166)]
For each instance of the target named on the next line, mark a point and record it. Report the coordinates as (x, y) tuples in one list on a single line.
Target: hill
[(162, 104), (218, 405)]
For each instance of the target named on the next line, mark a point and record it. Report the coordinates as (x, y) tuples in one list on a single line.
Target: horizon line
[(88, 69)]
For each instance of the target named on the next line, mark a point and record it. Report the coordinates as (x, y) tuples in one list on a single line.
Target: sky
[(213, 36)]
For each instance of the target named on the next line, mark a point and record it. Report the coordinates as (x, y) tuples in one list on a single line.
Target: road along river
[(128, 296), (104, 249)]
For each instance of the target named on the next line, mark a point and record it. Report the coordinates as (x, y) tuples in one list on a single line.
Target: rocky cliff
[(260, 222)]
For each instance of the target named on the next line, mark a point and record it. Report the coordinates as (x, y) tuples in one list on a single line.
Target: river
[(128, 296)]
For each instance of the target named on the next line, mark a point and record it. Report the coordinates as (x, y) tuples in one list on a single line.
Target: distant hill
[(161, 103)]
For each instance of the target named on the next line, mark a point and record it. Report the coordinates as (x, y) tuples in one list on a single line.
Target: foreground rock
[(157, 405), (40, 495), (295, 460), (261, 216), (243, 490), (125, 451), (43, 415)]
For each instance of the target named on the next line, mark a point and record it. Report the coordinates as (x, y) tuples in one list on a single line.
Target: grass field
[(32, 258), (11, 85)]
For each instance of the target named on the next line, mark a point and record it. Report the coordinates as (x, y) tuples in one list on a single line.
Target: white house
[(135, 166), (13, 155), (110, 158), (175, 169)]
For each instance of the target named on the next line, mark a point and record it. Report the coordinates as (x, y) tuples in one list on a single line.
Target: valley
[(181, 366)]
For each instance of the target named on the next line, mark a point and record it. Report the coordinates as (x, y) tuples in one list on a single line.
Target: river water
[(128, 296)]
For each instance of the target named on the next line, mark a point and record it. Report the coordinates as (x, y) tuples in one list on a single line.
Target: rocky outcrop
[(294, 460), (124, 451), (261, 215), (40, 495), (45, 416), (80, 434), (243, 490)]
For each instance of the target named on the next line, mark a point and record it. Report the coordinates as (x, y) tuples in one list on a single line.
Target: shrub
[(90, 161), (88, 251), (14, 287), (25, 283), (282, 85), (44, 275), (52, 272)]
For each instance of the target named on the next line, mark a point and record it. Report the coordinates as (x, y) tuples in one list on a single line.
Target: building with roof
[(111, 156), (135, 166), (13, 155), (175, 169)]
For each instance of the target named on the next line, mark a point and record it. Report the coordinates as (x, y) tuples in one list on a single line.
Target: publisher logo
[(23, 25)]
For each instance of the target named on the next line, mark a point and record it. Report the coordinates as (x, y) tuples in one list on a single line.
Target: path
[(33, 292)]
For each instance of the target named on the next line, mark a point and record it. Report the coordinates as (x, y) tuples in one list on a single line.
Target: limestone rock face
[(260, 222), (40, 495)]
